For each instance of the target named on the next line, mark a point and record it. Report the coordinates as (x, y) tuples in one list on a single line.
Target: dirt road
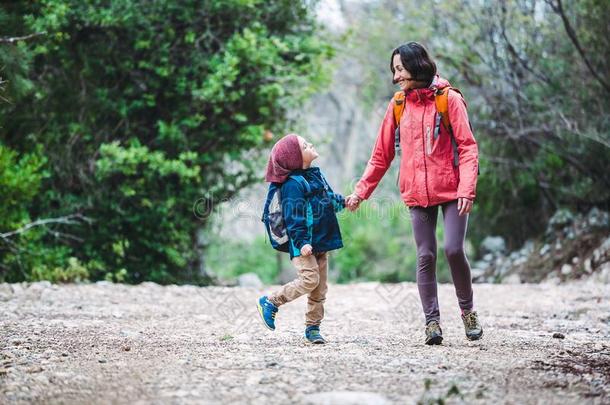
[(105, 343)]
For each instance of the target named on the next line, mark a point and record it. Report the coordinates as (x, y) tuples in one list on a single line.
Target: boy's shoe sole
[(260, 312), (315, 342), (435, 340)]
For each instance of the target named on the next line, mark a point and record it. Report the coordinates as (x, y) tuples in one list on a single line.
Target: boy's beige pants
[(312, 274)]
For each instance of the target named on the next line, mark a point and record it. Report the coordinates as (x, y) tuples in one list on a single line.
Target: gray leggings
[(424, 226)]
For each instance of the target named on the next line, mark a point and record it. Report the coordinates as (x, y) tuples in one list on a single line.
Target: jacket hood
[(420, 95)]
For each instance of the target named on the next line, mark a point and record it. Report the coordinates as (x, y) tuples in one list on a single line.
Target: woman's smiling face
[(401, 76)]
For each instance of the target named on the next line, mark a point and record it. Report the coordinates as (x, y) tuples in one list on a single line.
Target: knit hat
[(285, 157)]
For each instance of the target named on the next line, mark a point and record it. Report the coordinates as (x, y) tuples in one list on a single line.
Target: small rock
[(6, 292), (129, 333), (552, 279), (35, 290), (17, 289), (34, 369), (287, 274), (566, 269), (545, 249), (561, 219), (249, 280), (40, 284), (493, 244), (558, 335), (520, 260), (126, 348), (346, 398), (481, 264), (102, 361), (598, 219), (528, 247), (603, 275), (64, 354), (477, 273), (512, 279), (4, 371), (267, 380)]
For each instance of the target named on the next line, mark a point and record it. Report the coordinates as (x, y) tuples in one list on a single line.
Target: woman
[(438, 168)]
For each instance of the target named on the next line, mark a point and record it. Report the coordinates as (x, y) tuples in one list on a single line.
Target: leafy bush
[(142, 108), (74, 272)]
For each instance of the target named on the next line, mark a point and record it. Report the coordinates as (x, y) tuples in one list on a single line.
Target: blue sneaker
[(267, 311), (312, 335)]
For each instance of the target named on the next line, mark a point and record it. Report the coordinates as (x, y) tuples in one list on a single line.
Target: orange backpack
[(441, 99)]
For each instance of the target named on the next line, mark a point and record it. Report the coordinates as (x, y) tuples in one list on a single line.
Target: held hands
[(352, 202), (464, 206), (306, 250)]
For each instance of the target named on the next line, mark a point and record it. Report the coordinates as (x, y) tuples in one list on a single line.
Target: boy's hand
[(352, 202), (306, 250)]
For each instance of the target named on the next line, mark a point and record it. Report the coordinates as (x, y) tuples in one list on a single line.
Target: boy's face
[(308, 151)]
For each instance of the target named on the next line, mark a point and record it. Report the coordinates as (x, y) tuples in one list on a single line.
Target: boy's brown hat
[(285, 157)]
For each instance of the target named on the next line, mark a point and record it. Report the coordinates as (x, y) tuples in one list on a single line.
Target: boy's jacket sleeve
[(338, 201), (294, 210)]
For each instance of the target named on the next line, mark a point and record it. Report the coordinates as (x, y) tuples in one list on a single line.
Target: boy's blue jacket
[(314, 223)]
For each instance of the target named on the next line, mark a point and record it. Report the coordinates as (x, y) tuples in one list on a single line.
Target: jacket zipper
[(428, 141), (425, 166)]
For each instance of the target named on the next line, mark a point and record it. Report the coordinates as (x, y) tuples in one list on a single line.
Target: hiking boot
[(473, 328), (267, 311), (312, 335), (434, 334)]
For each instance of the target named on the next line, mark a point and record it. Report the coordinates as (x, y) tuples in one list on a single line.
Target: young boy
[(312, 229)]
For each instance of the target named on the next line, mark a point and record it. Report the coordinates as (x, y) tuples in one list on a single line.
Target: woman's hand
[(306, 250), (352, 202), (464, 206)]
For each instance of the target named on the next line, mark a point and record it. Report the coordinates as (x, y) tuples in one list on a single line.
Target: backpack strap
[(301, 180), (441, 99), (399, 105), (399, 108)]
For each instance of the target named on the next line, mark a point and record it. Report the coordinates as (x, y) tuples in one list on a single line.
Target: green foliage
[(140, 109), (20, 181), (379, 245), (74, 272), (145, 195), (20, 178), (229, 259)]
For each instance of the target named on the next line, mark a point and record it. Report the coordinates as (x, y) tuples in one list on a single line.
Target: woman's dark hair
[(415, 59)]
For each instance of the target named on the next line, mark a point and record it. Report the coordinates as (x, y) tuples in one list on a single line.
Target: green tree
[(143, 107)]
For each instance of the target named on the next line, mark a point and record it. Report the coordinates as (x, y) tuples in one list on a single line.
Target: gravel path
[(105, 343)]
